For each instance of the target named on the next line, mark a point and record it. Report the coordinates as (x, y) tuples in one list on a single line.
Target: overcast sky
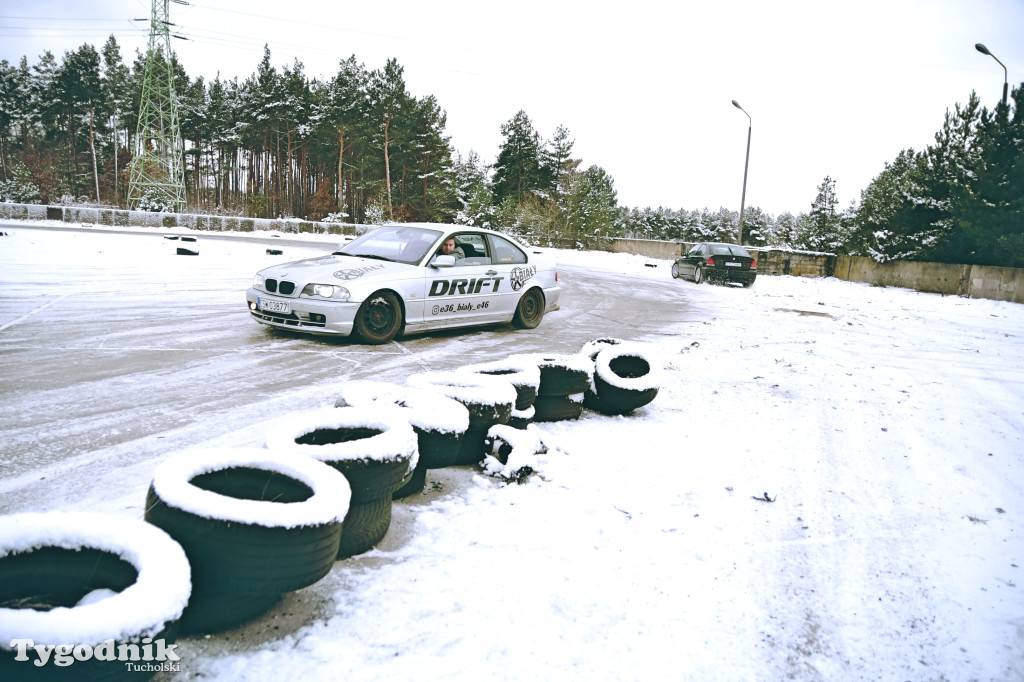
[(644, 87)]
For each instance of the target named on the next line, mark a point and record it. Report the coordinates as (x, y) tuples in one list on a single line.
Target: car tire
[(416, 483), (698, 274), (438, 421), (553, 408), (54, 559), (675, 271), (489, 400), (376, 449), (255, 524), (562, 374), (366, 524), (379, 318), (625, 379), (522, 373), (530, 310)]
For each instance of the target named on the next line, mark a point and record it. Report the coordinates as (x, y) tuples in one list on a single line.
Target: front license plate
[(734, 265), (273, 306)]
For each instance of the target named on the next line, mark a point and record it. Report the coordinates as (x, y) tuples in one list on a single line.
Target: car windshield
[(729, 250), (398, 243)]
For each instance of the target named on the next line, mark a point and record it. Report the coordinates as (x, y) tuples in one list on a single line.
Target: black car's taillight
[(711, 261)]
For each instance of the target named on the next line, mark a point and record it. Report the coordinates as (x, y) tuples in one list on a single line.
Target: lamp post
[(984, 50), (746, 164)]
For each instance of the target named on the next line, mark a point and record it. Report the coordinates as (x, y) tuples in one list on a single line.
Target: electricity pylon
[(157, 176)]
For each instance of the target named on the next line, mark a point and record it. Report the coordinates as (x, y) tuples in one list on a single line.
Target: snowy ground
[(886, 425)]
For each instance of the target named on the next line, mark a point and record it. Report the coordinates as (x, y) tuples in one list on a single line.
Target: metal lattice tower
[(157, 176)]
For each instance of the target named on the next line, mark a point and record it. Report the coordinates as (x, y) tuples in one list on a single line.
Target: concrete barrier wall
[(973, 281), (122, 218)]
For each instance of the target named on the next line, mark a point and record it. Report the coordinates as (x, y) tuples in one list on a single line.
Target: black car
[(716, 263)]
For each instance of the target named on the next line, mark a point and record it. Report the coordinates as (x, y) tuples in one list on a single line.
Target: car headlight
[(326, 291), (257, 281)]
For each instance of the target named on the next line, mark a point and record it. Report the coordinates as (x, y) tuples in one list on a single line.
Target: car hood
[(337, 269)]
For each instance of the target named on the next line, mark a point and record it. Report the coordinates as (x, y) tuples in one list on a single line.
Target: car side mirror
[(443, 261)]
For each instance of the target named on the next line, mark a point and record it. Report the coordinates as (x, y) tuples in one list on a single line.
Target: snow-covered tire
[(54, 559), (520, 371), (365, 525), (438, 421), (562, 374), (512, 452), (553, 408), (416, 483), (255, 524), (489, 400), (376, 450), (592, 348), (625, 379), (520, 419)]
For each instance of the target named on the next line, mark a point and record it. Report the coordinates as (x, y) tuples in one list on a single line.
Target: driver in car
[(448, 248)]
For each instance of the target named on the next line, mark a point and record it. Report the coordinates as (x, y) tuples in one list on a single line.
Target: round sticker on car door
[(521, 276)]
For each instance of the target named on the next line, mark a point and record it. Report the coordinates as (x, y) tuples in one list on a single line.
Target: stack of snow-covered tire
[(488, 399), (440, 423), (375, 449), (91, 582), (564, 379), (624, 378), (524, 375), (254, 523)]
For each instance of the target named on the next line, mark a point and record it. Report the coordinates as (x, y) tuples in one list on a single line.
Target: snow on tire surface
[(519, 371), (469, 388), (145, 608), (173, 483), (561, 374), (428, 410), (625, 378), (394, 438)]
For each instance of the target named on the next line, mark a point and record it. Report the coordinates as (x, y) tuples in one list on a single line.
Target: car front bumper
[(333, 318)]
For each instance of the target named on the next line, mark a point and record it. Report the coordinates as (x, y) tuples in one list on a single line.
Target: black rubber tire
[(365, 525), (473, 447), (530, 310), (615, 399), (698, 275), (379, 318), (231, 556), (437, 449), (415, 484), (675, 271), (525, 379), (553, 408), (59, 573), (558, 376), (336, 437), (234, 561)]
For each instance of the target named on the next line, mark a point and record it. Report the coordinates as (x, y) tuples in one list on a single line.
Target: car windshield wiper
[(367, 255)]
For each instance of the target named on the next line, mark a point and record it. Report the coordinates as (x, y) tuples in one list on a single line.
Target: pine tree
[(517, 171), (387, 98), (823, 228)]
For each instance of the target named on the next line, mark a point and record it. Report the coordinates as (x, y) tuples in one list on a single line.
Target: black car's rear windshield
[(729, 250)]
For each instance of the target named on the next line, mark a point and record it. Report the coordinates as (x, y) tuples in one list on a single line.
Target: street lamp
[(746, 164), (984, 50)]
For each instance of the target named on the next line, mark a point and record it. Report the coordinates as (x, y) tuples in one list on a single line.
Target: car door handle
[(491, 273)]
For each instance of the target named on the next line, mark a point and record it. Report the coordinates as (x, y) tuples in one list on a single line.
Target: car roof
[(447, 227)]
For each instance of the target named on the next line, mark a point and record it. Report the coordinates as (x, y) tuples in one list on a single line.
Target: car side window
[(474, 249), (505, 251), (695, 251)]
